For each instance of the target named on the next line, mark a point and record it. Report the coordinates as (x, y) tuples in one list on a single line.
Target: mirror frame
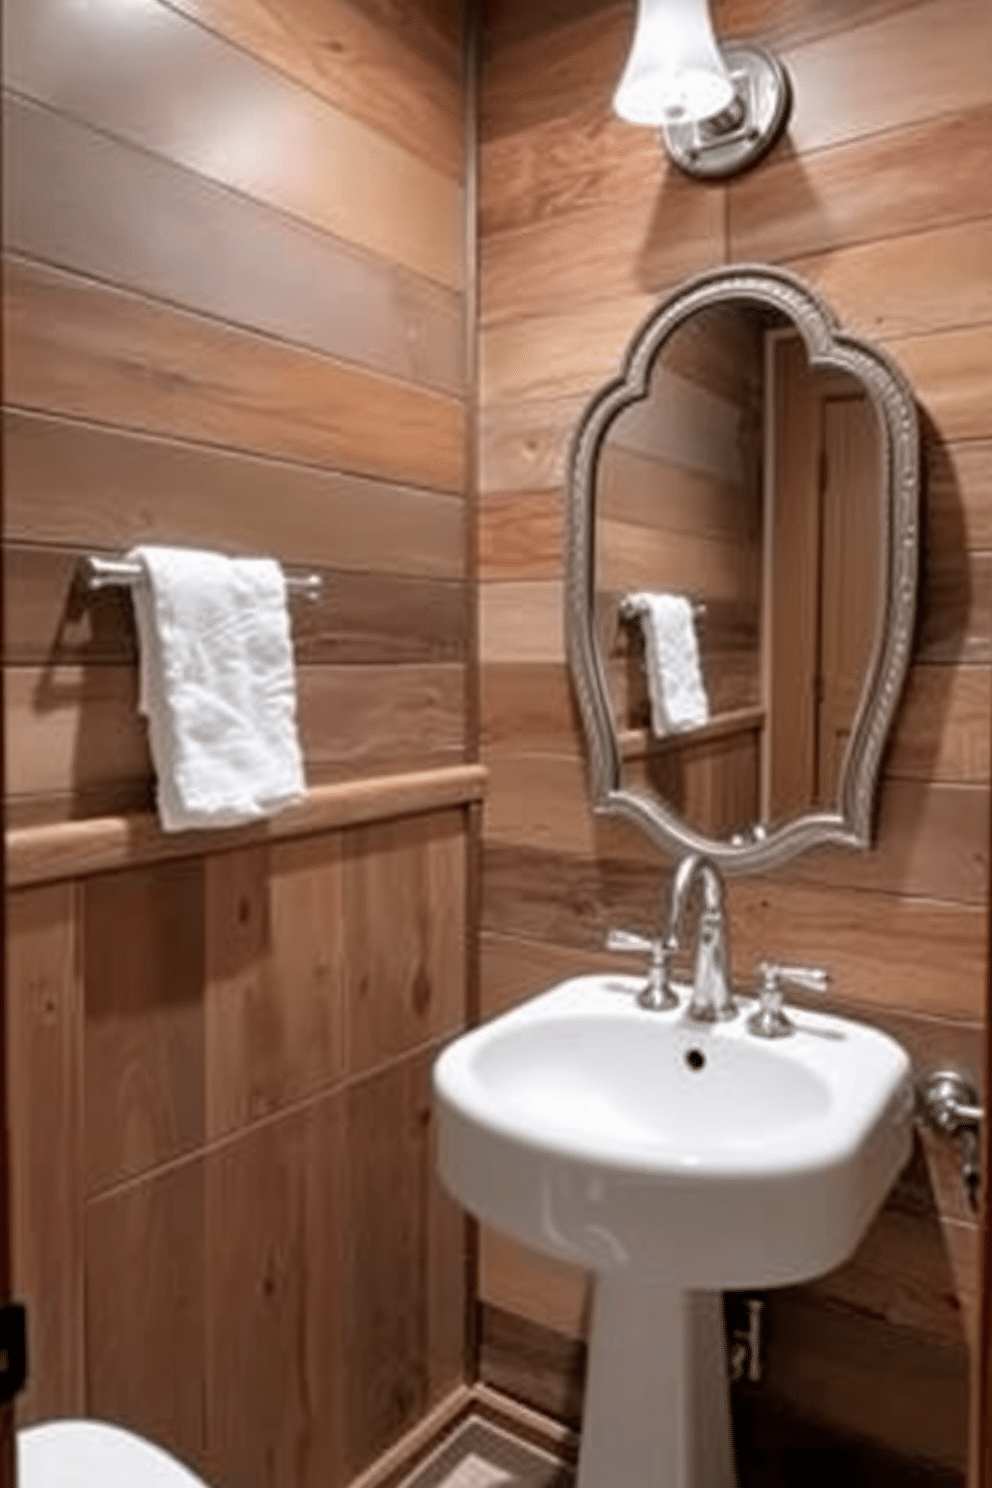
[(891, 395)]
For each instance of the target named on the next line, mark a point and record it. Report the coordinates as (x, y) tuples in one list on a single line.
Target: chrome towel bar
[(108, 573)]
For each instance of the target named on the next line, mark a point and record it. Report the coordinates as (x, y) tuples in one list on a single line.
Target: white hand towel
[(217, 686), (675, 677)]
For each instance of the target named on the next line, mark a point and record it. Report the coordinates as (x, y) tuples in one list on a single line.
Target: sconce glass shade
[(674, 73)]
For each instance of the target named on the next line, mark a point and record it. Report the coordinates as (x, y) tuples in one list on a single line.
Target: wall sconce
[(719, 107)]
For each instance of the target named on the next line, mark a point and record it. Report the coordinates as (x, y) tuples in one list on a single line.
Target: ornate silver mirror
[(741, 567)]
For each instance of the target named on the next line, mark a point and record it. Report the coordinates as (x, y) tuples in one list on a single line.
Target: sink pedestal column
[(657, 1403)]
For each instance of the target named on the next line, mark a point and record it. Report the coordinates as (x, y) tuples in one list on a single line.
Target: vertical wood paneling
[(393, 1373), (143, 968), (145, 1310), (274, 994), (404, 900), (274, 1284), (44, 1012)]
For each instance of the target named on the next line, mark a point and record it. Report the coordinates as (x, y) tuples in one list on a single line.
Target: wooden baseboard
[(401, 1458), (525, 1423)]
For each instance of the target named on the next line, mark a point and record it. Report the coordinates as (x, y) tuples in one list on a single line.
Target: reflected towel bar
[(627, 611), (108, 573)]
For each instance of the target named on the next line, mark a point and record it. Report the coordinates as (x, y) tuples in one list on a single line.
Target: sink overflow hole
[(695, 1060)]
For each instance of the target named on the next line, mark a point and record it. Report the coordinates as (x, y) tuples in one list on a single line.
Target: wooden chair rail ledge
[(75, 849)]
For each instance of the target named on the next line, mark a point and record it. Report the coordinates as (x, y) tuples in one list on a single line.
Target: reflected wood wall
[(880, 196), (234, 318)]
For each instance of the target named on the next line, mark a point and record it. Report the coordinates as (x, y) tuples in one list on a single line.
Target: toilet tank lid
[(94, 1454)]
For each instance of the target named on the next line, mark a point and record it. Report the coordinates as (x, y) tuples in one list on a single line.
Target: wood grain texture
[(919, 62), (274, 997), (246, 264), (143, 950), (405, 988), (949, 371), (165, 90), (399, 73), (275, 1217), (523, 1282), (399, 1341), (79, 728), (863, 191), (916, 954), (145, 1310), (358, 618), (44, 1040), (77, 849), (523, 447), (520, 535), (86, 351), (643, 245), (941, 732), (76, 485), (888, 289)]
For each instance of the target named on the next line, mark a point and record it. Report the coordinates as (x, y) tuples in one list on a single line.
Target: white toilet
[(93, 1454)]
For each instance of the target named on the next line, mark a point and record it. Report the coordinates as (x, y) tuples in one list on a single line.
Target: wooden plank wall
[(236, 321), (881, 197), (226, 1224), (234, 317)]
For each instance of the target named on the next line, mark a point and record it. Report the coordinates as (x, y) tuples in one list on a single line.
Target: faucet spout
[(712, 994)]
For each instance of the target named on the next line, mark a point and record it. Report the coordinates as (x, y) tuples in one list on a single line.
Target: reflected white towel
[(217, 686), (675, 676)]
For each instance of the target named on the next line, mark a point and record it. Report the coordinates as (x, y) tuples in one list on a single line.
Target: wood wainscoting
[(226, 1223)]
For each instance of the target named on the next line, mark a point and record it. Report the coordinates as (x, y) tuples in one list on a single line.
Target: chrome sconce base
[(744, 132)]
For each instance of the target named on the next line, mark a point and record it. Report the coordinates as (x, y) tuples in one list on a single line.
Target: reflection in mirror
[(746, 481), (743, 502)]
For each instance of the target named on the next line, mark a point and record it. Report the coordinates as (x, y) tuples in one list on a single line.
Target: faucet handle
[(656, 993), (807, 978), (770, 1020), (628, 941)]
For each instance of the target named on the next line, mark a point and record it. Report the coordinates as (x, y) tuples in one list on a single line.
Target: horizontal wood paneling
[(888, 289), (403, 80), (75, 728), (79, 349), (863, 191), (601, 252), (176, 90), (918, 954), (919, 62), (275, 275), (76, 485), (358, 618)]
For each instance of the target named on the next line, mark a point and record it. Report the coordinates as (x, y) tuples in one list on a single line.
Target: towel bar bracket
[(112, 573)]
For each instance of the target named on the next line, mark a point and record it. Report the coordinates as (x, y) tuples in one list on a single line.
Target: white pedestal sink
[(675, 1161)]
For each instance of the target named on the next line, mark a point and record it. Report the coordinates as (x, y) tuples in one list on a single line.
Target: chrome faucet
[(712, 996)]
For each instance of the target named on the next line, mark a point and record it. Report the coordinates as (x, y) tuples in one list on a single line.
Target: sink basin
[(674, 1160), (612, 1136)]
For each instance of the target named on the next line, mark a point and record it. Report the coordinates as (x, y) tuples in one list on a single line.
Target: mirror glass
[(745, 481), (738, 627)]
